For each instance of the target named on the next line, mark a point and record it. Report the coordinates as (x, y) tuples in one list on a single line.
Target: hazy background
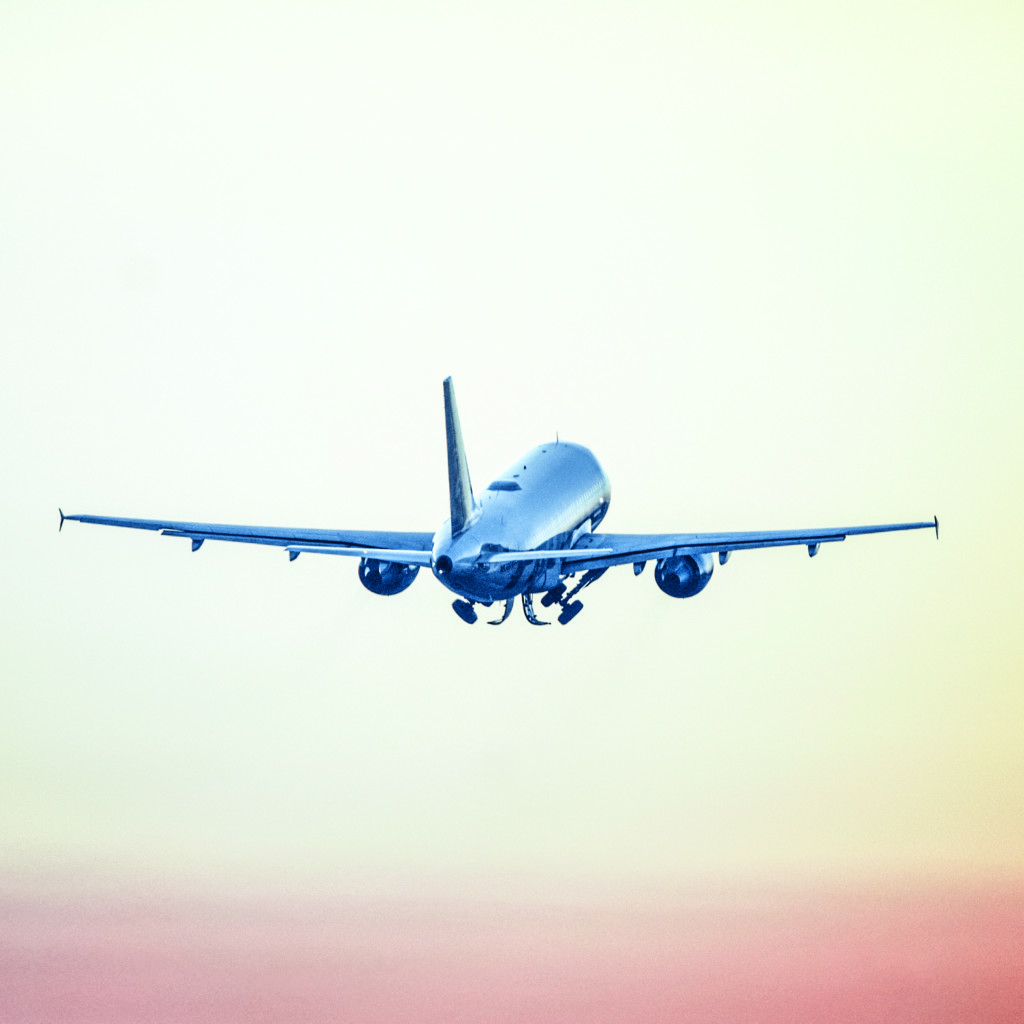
[(764, 260)]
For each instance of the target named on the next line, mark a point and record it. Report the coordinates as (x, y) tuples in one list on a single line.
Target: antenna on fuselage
[(460, 490)]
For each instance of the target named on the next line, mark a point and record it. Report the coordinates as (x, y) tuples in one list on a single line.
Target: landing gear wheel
[(465, 611), (553, 595), (569, 612)]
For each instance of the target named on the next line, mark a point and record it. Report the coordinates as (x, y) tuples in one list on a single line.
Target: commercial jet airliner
[(530, 533)]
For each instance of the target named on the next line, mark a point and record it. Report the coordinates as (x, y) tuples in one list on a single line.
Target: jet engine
[(386, 578), (684, 576)]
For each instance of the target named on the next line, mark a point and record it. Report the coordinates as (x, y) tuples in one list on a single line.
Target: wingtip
[(936, 527), (61, 526)]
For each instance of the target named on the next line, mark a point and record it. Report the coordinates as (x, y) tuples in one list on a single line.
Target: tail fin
[(460, 490)]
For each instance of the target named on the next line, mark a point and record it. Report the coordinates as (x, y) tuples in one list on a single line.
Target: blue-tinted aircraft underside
[(531, 532)]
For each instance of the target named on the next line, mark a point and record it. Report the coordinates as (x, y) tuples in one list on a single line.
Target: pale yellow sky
[(766, 265)]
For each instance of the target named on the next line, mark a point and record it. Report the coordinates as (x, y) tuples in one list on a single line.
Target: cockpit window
[(504, 485)]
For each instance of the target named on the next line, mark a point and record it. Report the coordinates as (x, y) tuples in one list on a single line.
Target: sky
[(764, 260)]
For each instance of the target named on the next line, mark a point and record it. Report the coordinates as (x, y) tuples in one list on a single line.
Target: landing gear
[(590, 576), (569, 612), (563, 598), (531, 615), (571, 608), (465, 611), (559, 595), (505, 614)]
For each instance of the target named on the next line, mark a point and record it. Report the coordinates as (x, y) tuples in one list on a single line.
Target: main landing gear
[(557, 595), (465, 611), (569, 609)]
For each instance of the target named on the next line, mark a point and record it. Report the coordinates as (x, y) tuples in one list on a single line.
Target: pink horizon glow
[(782, 957)]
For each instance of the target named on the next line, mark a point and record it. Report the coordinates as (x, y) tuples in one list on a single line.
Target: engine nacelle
[(684, 576), (386, 578)]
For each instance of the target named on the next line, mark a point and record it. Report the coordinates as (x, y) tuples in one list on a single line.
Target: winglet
[(61, 527), (460, 490), (936, 527)]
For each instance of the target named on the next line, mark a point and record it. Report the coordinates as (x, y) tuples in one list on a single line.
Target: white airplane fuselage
[(545, 500)]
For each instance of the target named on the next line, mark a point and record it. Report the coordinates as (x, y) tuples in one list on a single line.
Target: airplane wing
[(643, 547), (403, 548)]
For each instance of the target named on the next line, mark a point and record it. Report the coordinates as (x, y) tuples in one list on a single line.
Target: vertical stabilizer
[(460, 490)]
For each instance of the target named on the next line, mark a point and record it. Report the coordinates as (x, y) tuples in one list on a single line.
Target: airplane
[(531, 532)]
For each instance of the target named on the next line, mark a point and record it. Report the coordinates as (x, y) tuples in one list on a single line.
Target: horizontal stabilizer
[(400, 556), (540, 556)]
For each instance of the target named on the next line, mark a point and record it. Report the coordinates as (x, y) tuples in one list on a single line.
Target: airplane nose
[(443, 565)]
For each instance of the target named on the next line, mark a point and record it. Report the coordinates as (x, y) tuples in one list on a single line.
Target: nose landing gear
[(505, 614)]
